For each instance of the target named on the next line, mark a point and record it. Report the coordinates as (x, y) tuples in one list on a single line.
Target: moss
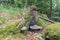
[(11, 29), (53, 29), (41, 22), (27, 16)]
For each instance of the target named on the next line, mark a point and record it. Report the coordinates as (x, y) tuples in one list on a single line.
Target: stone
[(24, 28), (35, 27)]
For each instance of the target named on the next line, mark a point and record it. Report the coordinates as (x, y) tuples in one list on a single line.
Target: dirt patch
[(12, 38), (32, 35)]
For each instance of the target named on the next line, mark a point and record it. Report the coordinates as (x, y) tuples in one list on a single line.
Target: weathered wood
[(34, 13), (27, 25), (46, 19), (29, 22)]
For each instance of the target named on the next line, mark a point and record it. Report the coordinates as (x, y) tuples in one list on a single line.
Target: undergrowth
[(11, 29), (53, 31), (8, 12)]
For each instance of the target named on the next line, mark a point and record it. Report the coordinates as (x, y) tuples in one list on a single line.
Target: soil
[(31, 35)]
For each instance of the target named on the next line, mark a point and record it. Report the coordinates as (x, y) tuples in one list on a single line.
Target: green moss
[(11, 29), (27, 16), (53, 29), (41, 23)]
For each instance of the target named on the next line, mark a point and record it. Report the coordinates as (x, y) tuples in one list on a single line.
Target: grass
[(9, 12), (10, 29)]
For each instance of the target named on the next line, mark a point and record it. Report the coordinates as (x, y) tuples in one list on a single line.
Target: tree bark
[(50, 8)]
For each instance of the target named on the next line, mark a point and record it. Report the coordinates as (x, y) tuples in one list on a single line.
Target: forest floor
[(30, 35)]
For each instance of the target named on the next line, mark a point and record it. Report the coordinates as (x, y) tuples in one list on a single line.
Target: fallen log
[(46, 19)]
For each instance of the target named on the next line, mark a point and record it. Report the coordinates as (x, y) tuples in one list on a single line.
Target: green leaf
[(39, 36)]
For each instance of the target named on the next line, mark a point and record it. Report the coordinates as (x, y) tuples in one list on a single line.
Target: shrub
[(44, 15), (53, 31), (39, 36), (11, 29), (56, 18)]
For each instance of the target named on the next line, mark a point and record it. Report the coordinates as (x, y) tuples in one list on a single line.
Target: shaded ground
[(32, 35)]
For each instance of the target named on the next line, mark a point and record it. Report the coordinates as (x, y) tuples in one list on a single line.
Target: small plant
[(39, 36)]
